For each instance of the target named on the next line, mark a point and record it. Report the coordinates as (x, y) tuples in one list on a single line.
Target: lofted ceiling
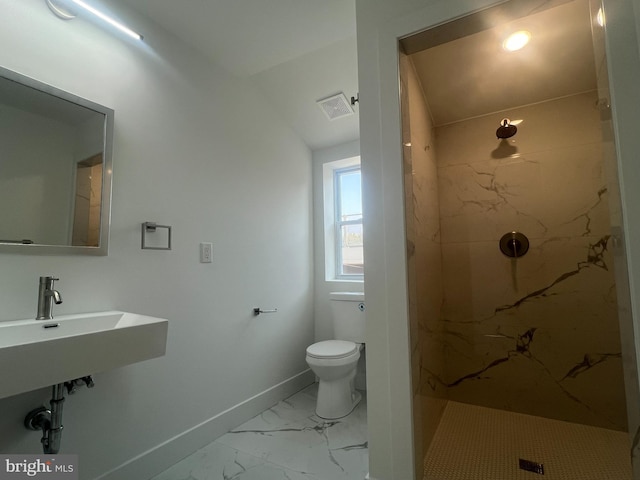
[(300, 51), (295, 51)]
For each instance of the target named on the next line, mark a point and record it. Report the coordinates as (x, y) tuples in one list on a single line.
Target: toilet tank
[(347, 309)]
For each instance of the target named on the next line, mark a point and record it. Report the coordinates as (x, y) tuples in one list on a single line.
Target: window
[(344, 259), (348, 221)]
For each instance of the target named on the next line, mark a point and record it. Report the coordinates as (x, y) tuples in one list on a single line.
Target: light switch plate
[(206, 252)]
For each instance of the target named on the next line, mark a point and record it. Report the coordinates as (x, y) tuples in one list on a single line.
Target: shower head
[(506, 130)]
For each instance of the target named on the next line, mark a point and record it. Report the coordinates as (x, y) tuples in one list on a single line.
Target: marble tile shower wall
[(536, 335), (423, 256)]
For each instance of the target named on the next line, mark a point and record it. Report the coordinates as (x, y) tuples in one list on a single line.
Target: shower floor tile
[(285, 442), (478, 443)]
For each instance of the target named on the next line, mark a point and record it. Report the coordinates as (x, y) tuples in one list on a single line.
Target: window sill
[(342, 280)]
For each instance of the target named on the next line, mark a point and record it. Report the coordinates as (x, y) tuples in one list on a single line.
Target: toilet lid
[(332, 349)]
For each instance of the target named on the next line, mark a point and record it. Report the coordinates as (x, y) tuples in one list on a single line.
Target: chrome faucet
[(47, 296)]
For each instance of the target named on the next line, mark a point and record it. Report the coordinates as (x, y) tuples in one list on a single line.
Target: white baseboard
[(161, 457)]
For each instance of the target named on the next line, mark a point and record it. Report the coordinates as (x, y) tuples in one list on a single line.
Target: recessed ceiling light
[(516, 41)]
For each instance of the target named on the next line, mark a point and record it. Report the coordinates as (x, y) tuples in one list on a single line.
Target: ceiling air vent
[(335, 106)]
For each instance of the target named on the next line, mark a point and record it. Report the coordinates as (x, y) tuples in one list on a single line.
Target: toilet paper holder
[(258, 311)]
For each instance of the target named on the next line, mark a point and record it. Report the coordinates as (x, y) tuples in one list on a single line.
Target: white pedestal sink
[(40, 353)]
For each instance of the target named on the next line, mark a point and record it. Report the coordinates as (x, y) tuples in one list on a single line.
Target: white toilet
[(334, 361)]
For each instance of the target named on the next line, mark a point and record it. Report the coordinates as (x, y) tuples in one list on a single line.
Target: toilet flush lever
[(258, 311)]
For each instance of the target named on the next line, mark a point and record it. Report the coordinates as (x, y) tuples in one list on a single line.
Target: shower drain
[(530, 466)]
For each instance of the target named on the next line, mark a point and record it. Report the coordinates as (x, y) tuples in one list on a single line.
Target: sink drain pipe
[(49, 421)]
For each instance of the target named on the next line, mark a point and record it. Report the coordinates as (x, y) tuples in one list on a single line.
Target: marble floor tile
[(288, 441), (219, 462)]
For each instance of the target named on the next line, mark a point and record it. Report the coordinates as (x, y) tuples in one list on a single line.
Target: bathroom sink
[(40, 353)]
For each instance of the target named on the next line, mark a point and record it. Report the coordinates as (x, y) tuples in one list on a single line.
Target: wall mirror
[(55, 169)]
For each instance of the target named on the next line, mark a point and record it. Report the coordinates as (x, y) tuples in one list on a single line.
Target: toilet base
[(336, 399)]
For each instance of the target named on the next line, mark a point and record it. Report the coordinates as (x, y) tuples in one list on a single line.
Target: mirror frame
[(105, 208)]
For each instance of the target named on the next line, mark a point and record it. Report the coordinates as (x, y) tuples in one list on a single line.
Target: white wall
[(322, 311), (380, 23), (44, 210), (90, 139), (636, 10), (199, 150)]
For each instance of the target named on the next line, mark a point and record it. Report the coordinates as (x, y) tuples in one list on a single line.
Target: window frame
[(333, 223)]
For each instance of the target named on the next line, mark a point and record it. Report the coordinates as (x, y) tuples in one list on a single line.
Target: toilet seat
[(332, 349)]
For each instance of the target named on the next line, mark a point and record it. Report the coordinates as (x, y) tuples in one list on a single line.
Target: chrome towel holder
[(152, 227)]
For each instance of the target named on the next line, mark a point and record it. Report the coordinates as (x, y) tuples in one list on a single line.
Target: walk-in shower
[(503, 321)]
